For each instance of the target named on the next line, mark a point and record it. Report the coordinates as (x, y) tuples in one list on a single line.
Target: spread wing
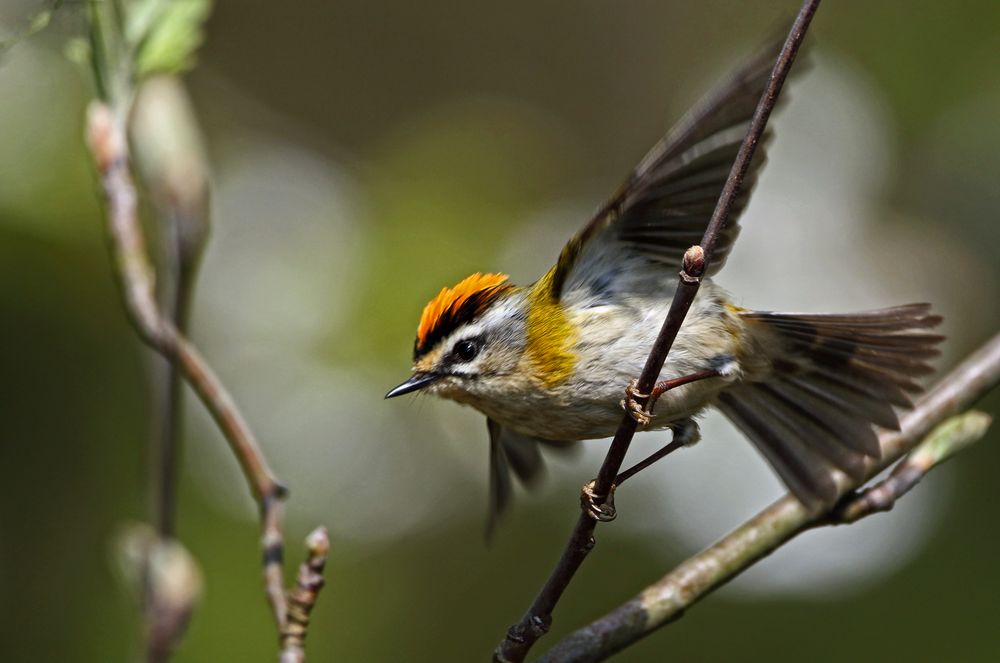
[(663, 207), (512, 453)]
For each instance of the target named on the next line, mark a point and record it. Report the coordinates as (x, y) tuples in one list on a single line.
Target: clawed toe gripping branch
[(599, 507), (639, 406), (666, 600), (522, 636), (602, 507), (933, 431)]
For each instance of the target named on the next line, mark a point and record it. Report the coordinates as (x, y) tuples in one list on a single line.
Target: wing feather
[(513, 454), (663, 207)]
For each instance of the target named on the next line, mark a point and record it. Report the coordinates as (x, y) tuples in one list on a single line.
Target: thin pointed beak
[(418, 381)]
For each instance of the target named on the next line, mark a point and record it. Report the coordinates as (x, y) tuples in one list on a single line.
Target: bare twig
[(107, 140), (167, 441), (302, 597), (170, 156), (945, 441), (668, 598), (121, 64), (168, 581), (521, 636)]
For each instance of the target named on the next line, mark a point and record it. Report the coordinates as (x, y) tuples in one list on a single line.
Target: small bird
[(548, 363)]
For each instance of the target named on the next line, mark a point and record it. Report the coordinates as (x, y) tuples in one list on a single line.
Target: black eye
[(466, 350)]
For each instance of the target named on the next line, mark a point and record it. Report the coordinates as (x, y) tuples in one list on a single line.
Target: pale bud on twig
[(170, 154), (166, 579), (693, 265)]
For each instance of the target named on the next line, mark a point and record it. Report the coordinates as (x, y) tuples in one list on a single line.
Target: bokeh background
[(365, 155)]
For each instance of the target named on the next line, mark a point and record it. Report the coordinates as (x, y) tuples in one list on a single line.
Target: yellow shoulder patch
[(551, 336)]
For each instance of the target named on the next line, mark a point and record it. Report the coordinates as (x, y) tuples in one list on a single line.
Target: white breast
[(615, 340)]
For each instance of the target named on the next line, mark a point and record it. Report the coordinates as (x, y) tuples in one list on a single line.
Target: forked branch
[(536, 621), (106, 137), (667, 599)]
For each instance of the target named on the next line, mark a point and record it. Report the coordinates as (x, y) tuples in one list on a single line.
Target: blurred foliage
[(454, 126), (33, 25), (128, 40), (167, 32)]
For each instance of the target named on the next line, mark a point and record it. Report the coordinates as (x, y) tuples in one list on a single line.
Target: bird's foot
[(603, 512), (631, 405)]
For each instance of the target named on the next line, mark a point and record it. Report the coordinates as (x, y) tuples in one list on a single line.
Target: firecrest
[(547, 363)]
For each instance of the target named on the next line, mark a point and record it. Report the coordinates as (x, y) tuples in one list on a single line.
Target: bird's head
[(470, 336)]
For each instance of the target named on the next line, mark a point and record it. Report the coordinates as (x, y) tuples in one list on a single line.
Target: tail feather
[(825, 437), (875, 382), (854, 433), (846, 395), (799, 467), (868, 342), (898, 318), (833, 377)]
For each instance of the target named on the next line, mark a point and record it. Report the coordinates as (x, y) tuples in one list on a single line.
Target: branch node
[(522, 633), (302, 597), (693, 264), (667, 599), (107, 138)]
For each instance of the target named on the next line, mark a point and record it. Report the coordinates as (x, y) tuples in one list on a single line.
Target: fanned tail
[(834, 376)]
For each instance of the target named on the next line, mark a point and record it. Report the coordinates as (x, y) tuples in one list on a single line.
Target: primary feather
[(665, 204)]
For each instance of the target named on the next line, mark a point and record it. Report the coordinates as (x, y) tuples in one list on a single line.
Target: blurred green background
[(366, 154)]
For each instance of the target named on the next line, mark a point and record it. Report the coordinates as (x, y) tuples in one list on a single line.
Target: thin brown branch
[(169, 149), (165, 451), (668, 598), (944, 442), (107, 140), (302, 597), (171, 163), (521, 636)]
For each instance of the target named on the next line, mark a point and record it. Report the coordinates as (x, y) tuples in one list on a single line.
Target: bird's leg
[(643, 412), (686, 433)]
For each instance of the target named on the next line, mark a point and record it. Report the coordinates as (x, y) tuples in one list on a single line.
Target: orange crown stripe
[(450, 300)]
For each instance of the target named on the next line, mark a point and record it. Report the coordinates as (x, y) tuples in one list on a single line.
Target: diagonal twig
[(945, 441), (667, 599), (535, 623)]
